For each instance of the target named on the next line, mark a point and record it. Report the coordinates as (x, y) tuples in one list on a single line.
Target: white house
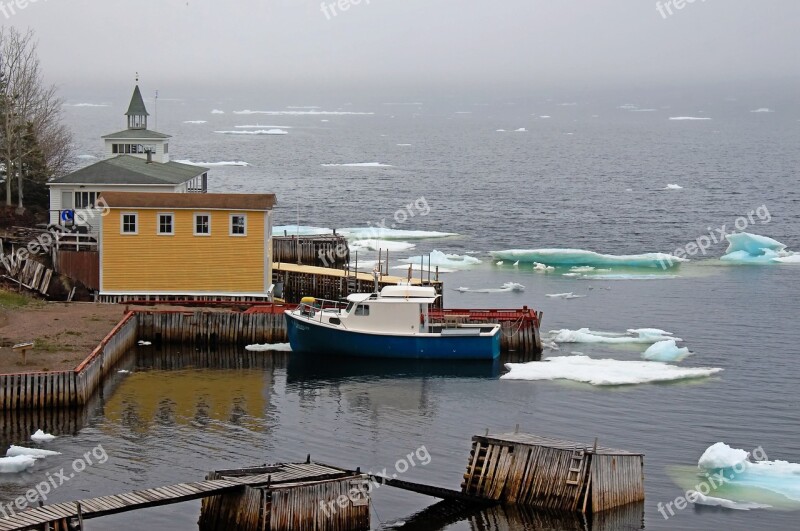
[(137, 160)]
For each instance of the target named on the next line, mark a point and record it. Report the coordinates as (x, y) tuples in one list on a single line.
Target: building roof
[(125, 169), (137, 104), (179, 201), (137, 134)]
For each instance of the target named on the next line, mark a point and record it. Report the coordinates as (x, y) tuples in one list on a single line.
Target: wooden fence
[(321, 251), (83, 266), (213, 328)]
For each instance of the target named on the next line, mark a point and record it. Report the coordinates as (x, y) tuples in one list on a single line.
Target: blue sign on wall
[(68, 215)]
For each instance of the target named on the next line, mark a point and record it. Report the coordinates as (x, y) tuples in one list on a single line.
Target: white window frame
[(194, 224), (122, 223), (230, 225), (158, 223)]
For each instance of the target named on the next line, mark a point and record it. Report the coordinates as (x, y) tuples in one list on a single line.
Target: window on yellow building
[(130, 223), (202, 224), (166, 224), (238, 225)]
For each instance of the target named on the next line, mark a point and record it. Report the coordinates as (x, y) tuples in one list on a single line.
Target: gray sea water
[(591, 176)]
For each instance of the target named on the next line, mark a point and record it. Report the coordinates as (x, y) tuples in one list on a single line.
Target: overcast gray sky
[(415, 43)]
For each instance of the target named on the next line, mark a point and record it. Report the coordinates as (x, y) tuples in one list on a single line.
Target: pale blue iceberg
[(643, 336), (746, 248), (752, 471), (666, 351), (579, 257)]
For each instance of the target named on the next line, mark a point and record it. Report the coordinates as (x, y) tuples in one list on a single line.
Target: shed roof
[(548, 442), (126, 169), (180, 201)]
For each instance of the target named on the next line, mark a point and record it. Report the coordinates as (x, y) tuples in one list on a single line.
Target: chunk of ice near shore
[(632, 336), (779, 478), (700, 499), (438, 258), (580, 257), (16, 464), (666, 351), (602, 372), (41, 436), (278, 347), (508, 287), (36, 453), (746, 248)]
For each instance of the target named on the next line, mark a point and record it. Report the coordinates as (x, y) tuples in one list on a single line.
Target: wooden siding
[(183, 263), (83, 266)]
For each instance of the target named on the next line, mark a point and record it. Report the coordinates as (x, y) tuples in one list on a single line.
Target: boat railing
[(315, 309)]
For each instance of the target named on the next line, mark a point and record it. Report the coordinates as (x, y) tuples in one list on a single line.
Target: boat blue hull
[(310, 337)]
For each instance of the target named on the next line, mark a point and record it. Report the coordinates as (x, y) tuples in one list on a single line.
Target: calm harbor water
[(563, 183)]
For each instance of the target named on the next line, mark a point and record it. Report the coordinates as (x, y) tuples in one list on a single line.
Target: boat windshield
[(350, 307)]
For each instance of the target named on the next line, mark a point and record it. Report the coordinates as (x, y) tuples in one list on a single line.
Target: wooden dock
[(62, 514)]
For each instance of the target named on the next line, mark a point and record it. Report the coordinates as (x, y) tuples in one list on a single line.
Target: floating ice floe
[(214, 164), (438, 258), (404, 145), (776, 479), (673, 187), (688, 118), (41, 436), (36, 453), (642, 336), (256, 132), (700, 499), (579, 257), (508, 287), (300, 230), (196, 122), (667, 351), (16, 464), (521, 130), (762, 110), (260, 126), (544, 116), (304, 113), (585, 269), (569, 295), (602, 372), (542, 268), (143, 343), (280, 347), (386, 245), (217, 111), (500, 131), (746, 248), (359, 165), (500, 262), (385, 233)]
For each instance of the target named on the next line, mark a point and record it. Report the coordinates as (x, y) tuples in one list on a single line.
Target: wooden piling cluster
[(302, 503), (58, 389), (552, 474), (212, 328), (334, 284), (330, 250), (520, 328)]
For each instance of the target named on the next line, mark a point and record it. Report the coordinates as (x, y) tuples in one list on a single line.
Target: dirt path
[(64, 333)]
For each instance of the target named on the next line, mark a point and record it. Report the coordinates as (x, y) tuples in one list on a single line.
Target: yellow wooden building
[(186, 245)]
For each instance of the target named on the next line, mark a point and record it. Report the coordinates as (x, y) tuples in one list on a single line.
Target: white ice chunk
[(195, 122), (281, 347), (542, 268), (508, 287), (41, 436), (386, 245), (634, 336), (438, 258), (700, 499), (217, 111), (16, 464), (36, 453), (602, 372), (752, 243), (688, 118), (666, 350), (720, 455), (673, 187), (143, 343), (215, 164), (569, 295), (360, 165), (762, 110)]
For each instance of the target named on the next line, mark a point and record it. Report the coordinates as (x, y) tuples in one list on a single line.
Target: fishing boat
[(392, 323)]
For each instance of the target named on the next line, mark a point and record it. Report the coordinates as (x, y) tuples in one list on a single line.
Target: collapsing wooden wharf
[(542, 477)]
